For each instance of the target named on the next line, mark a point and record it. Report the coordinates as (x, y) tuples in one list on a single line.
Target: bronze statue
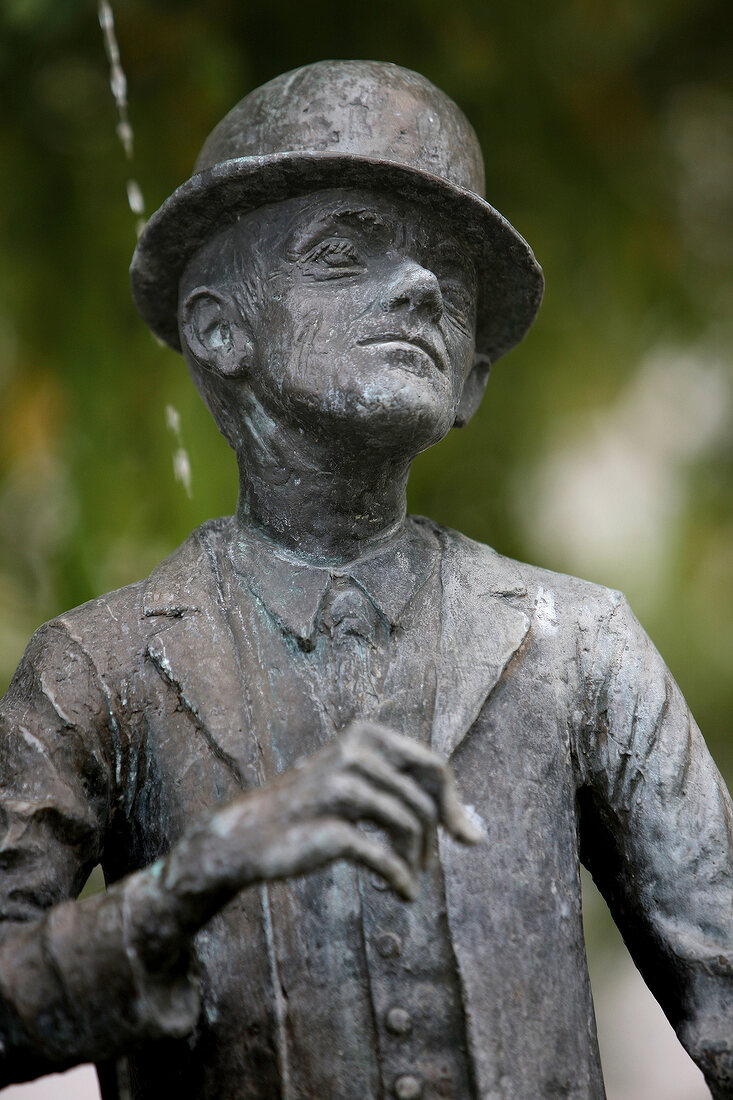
[(253, 741)]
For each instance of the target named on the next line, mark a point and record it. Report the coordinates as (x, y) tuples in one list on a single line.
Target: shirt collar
[(293, 591)]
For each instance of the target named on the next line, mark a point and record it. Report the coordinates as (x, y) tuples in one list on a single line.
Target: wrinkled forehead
[(383, 220), (350, 210)]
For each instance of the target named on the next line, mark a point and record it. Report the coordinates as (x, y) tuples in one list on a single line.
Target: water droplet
[(125, 134), (173, 419), (135, 197), (182, 469)]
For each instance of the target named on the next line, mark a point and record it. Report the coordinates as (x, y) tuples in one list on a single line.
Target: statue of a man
[(254, 740)]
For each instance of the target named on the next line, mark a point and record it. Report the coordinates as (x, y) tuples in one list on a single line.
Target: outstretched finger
[(432, 772)]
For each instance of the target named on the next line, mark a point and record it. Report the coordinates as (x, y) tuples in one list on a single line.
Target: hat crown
[(372, 109)]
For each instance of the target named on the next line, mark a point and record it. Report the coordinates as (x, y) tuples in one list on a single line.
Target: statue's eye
[(334, 257)]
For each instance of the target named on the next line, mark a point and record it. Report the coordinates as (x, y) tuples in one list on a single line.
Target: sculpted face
[(348, 313)]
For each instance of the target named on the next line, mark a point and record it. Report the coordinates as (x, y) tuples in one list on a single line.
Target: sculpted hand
[(311, 815), (370, 774)]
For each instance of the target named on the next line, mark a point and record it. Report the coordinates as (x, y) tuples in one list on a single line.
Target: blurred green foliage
[(608, 134)]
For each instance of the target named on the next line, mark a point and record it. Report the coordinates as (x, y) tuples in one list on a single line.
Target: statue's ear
[(473, 389), (215, 333)]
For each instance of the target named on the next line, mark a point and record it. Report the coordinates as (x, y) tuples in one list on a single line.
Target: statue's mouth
[(408, 343)]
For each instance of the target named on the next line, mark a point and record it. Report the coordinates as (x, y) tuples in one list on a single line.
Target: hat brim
[(510, 281)]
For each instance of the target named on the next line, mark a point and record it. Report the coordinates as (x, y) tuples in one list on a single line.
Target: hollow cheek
[(316, 319), (343, 302), (279, 327)]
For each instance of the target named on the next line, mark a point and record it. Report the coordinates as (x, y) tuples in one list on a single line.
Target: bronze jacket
[(127, 718)]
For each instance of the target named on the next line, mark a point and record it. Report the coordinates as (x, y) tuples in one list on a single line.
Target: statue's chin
[(389, 400), (401, 423)]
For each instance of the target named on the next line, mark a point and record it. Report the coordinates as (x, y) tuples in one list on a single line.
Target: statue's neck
[(321, 503)]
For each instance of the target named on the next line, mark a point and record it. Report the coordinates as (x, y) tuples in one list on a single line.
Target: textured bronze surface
[(341, 765)]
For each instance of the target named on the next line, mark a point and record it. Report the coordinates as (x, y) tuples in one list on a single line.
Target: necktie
[(355, 636)]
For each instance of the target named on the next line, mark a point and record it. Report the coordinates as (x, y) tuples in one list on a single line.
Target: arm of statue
[(88, 980), (657, 835)]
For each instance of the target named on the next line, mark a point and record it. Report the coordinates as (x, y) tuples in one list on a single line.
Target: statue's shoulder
[(547, 596), (186, 580), (124, 618)]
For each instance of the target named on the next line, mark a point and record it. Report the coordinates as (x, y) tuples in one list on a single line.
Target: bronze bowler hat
[(342, 124)]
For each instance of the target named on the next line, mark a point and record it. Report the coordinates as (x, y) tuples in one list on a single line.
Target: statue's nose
[(413, 287)]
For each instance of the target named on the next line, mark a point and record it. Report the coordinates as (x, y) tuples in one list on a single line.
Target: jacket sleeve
[(656, 830), (73, 985)]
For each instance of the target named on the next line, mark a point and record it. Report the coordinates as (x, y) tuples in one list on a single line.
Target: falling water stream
[(136, 202), (118, 85), (181, 461)]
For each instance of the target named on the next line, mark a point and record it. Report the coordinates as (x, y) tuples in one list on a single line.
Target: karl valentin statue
[(341, 765)]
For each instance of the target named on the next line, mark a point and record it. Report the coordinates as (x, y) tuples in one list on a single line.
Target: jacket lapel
[(481, 631), (194, 650)]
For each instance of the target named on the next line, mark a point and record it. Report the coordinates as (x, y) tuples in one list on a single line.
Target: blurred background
[(604, 447)]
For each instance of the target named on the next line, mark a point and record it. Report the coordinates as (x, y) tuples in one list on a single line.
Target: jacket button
[(389, 945), (398, 1021), (408, 1087)]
